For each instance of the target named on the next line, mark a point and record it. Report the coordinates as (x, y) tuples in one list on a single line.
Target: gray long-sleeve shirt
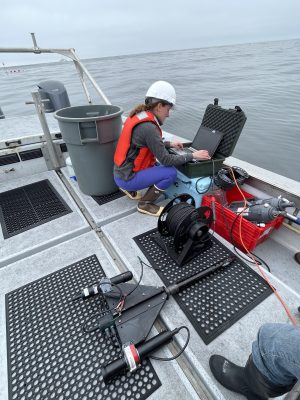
[(147, 134)]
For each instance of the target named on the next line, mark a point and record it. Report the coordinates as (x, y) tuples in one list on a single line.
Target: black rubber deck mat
[(106, 198), (49, 355), (219, 300), (29, 206)]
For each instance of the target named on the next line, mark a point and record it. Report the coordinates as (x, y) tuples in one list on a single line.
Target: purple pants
[(161, 177)]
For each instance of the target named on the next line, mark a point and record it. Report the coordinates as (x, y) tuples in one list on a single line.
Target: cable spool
[(189, 226), (224, 178)]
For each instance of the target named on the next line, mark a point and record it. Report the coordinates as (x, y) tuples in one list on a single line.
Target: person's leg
[(270, 371), (157, 178), (160, 176), (276, 353)]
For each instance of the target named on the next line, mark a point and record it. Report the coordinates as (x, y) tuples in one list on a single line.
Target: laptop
[(205, 139)]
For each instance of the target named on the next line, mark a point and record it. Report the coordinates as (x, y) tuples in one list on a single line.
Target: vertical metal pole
[(34, 40), (92, 80), (82, 82), (47, 135)]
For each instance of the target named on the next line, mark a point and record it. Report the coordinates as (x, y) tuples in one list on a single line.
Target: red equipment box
[(252, 234)]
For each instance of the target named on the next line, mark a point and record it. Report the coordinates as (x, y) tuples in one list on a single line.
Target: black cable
[(209, 236), (213, 177), (95, 327), (235, 248), (181, 350), (224, 181), (177, 215), (101, 314), (150, 266), (230, 231), (119, 289), (260, 261), (186, 182), (112, 337), (211, 184), (141, 276), (206, 190)]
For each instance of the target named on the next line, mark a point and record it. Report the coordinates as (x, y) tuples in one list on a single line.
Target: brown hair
[(143, 107)]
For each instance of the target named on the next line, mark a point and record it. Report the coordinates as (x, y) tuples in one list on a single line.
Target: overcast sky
[(98, 28)]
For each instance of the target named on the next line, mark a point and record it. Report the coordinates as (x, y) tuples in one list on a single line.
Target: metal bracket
[(58, 152), (13, 143)]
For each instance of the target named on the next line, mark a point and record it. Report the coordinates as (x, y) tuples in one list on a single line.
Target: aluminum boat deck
[(108, 232)]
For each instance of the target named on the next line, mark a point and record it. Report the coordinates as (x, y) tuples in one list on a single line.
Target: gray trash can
[(91, 133)]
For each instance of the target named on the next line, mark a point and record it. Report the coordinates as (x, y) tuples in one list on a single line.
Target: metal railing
[(69, 53)]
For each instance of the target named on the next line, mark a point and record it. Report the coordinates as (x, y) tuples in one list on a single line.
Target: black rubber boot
[(245, 380), (146, 204)]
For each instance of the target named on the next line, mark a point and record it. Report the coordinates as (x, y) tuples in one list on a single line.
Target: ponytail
[(143, 107)]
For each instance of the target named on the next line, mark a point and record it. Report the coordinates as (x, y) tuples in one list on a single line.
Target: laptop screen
[(207, 139)]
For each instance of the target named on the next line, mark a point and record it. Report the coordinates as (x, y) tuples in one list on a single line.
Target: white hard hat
[(162, 90)]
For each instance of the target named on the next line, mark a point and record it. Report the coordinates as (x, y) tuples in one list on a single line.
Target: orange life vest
[(144, 159)]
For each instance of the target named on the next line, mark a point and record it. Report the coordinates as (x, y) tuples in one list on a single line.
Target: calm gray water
[(262, 78)]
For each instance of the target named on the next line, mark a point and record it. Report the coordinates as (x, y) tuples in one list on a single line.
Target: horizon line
[(4, 66)]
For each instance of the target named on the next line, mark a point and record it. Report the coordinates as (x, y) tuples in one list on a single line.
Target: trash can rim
[(87, 119)]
